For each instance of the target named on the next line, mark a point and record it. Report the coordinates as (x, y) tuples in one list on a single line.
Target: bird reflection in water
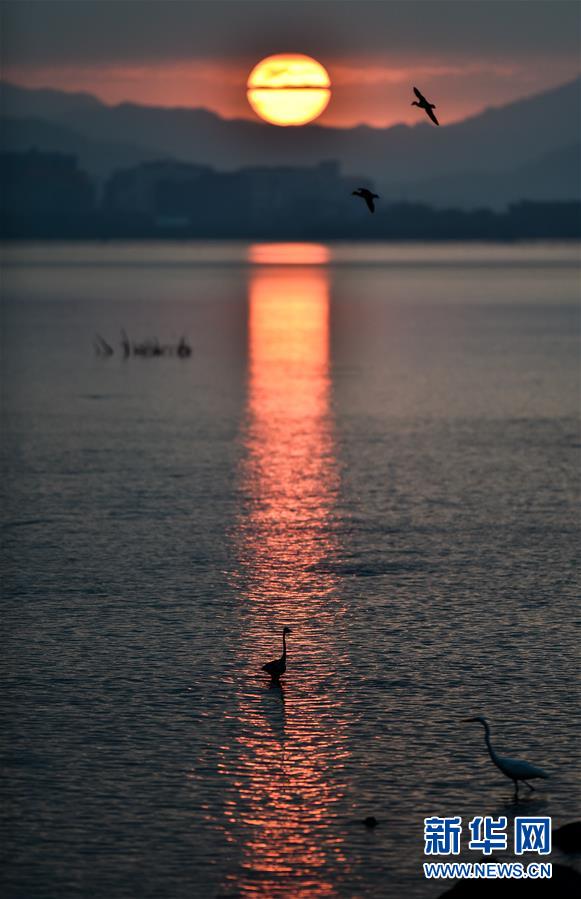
[(291, 744), (273, 709)]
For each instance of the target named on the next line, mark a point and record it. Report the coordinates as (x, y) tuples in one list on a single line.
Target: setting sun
[(289, 89)]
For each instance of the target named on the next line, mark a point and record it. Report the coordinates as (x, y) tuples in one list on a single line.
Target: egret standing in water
[(511, 768), (277, 668)]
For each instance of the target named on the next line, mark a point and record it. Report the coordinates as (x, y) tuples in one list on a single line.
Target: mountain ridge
[(494, 142), (62, 97)]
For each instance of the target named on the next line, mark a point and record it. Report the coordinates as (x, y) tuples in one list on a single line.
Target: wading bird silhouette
[(423, 104), (511, 768), (277, 667), (367, 196), (102, 348)]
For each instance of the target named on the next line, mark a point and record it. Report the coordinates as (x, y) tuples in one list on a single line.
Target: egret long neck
[(489, 744), (283, 645)]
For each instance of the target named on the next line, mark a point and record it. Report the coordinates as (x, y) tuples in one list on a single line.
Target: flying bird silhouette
[(277, 667), (423, 104), (511, 768), (367, 196)]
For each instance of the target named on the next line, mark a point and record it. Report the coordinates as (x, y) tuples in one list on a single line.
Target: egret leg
[(516, 789), (530, 786)]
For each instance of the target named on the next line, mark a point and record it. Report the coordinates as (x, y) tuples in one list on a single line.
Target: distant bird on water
[(423, 104), (102, 348), (126, 346), (514, 769), (277, 668), (367, 196)]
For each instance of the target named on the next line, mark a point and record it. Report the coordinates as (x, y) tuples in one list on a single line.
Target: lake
[(376, 445)]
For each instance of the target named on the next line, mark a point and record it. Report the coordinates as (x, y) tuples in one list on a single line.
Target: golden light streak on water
[(291, 742)]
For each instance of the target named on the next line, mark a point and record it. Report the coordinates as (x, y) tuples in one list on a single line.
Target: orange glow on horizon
[(365, 90)]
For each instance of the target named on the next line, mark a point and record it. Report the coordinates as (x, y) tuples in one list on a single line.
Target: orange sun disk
[(289, 89)]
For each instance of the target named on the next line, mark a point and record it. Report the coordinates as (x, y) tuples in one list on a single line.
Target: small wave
[(27, 522), (23, 758), (365, 568)]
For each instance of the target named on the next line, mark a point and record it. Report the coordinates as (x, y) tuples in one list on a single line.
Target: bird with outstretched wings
[(425, 105), (368, 196)]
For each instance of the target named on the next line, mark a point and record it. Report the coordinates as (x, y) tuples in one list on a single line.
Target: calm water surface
[(377, 446)]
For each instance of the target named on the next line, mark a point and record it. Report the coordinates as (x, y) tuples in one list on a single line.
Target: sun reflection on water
[(289, 254), (287, 764)]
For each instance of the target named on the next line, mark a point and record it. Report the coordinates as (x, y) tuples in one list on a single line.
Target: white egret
[(514, 769)]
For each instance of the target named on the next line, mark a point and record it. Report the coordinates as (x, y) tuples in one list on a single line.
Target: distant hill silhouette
[(554, 176), (466, 163), (43, 101), (98, 157)]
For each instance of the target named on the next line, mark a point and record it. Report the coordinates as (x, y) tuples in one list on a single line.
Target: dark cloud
[(53, 32)]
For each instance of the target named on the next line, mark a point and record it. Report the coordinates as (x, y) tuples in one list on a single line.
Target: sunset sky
[(465, 55)]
